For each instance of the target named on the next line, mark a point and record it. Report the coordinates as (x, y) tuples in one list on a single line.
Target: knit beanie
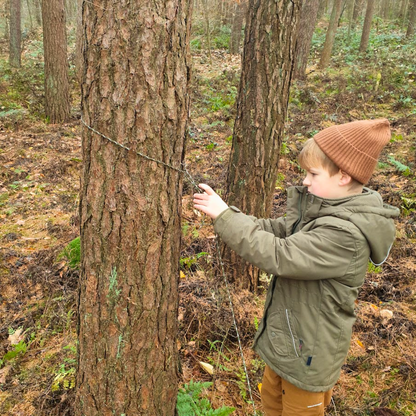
[(354, 147)]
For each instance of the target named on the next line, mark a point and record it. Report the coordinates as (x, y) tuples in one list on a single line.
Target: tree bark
[(15, 37), (365, 36), (135, 90), (235, 38), (412, 19), (308, 17), (78, 41), (330, 35), (57, 105), (358, 9), (267, 65)]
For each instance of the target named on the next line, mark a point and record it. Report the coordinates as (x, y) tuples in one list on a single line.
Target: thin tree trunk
[(308, 17), (367, 25), (38, 12), (330, 35), (412, 19), (135, 91), (235, 39), (350, 22), (207, 30), (57, 105), (358, 9), (30, 14), (15, 41), (269, 47)]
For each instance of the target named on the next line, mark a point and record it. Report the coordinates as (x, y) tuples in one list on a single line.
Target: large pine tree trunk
[(330, 34), (365, 36), (308, 17), (15, 34), (412, 19), (268, 56), (57, 105), (135, 91)]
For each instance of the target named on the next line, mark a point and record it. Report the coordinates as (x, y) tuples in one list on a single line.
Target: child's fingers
[(207, 188)]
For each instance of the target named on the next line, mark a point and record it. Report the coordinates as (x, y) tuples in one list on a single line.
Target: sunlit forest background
[(358, 63)]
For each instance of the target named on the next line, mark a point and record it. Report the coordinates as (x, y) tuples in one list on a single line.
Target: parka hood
[(368, 213)]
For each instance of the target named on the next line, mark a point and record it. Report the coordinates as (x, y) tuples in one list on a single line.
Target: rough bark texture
[(330, 34), (365, 36), (15, 34), (269, 45), (308, 17), (134, 90), (57, 105), (78, 41), (240, 9), (412, 19)]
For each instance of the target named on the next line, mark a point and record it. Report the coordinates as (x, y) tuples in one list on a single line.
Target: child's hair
[(312, 156)]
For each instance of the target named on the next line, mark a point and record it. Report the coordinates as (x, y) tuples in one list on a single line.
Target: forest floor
[(40, 167)]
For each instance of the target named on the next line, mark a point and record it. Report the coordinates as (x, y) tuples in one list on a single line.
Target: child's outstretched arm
[(209, 202)]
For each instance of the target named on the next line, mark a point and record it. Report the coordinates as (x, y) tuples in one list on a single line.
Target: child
[(318, 254)]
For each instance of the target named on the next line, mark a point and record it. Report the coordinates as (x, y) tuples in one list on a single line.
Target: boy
[(318, 254)]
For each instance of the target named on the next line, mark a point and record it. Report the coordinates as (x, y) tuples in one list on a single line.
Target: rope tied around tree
[(191, 180)]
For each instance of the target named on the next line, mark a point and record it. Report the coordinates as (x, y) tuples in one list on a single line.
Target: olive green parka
[(318, 255)]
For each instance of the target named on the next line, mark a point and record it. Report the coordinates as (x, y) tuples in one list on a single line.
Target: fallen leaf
[(386, 314), (360, 344), (207, 367), (259, 386), (4, 372), (16, 337), (182, 275), (220, 386)]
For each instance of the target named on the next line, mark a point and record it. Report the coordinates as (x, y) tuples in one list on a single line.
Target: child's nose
[(306, 182)]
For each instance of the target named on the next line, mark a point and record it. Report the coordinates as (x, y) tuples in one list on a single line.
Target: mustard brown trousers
[(281, 398)]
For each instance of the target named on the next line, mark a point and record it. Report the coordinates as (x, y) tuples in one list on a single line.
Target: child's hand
[(209, 202)]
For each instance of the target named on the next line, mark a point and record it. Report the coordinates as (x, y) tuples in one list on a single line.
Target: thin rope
[(188, 176)]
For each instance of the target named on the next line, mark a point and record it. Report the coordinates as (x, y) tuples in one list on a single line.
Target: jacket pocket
[(282, 334), (275, 330)]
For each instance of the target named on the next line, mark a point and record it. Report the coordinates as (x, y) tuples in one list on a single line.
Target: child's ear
[(345, 179)]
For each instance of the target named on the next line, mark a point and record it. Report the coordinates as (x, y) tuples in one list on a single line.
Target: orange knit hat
[(355, 147)]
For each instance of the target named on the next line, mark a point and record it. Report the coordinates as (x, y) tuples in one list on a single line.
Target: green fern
[(190, 404), (403, 169)]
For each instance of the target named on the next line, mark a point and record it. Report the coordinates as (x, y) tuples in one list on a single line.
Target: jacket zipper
[(291, 333)]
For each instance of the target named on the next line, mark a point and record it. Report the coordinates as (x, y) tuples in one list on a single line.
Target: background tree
[(357, 11), (15, 34), (365, 36), (134, 90), (261, 112), (308, 17), (330, 34), (57, 105), (239, 13), (412, 19)]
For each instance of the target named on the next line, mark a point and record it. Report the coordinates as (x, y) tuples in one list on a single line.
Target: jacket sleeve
[(322, 253), (275, 226)]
